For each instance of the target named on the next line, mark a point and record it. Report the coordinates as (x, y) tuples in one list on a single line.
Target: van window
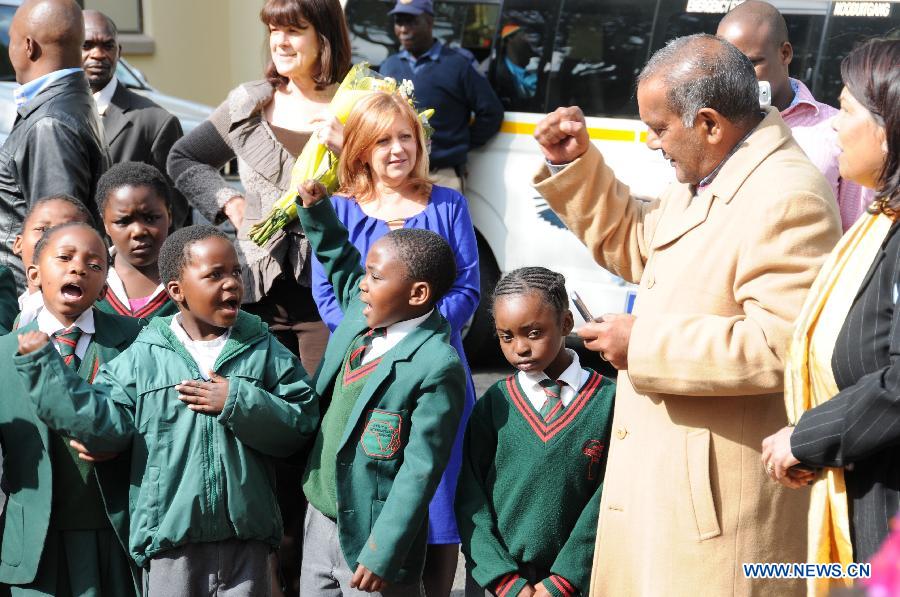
[(804, 31), (521, 67), (469, 25), (845, 33), (600, 49)]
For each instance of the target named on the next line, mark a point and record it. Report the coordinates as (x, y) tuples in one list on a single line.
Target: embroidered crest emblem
[(381, 435), (593, 449)]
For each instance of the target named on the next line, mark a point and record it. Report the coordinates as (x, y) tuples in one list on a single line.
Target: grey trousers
[(324, 571), (230, 568)]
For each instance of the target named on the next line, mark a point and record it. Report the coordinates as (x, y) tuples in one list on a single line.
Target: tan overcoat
[(722, 276)]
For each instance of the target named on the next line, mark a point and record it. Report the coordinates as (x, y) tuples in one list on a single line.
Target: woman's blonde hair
[(370, 119)]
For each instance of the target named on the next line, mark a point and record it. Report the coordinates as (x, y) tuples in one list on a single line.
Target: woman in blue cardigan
[(384, 186)]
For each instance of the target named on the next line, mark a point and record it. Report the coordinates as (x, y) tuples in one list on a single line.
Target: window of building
[(128, 15)]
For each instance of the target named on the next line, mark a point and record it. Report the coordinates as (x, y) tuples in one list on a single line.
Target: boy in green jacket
[(65, 528), (204, 399), (396, 390)]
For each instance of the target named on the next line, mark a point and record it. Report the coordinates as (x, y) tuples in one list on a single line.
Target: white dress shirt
[(204, 352), (574, 377), (103, 97), (392, 336), (48, 324), (30, 303)]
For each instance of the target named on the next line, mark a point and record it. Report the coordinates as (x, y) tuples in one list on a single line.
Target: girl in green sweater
[(535, 450)]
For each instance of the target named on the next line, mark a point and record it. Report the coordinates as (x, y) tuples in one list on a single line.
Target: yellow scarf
[(809, 381)]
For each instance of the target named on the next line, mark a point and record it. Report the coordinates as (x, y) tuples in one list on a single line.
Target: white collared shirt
[(393, 334), (574, 377), (103, 97), (48, 324), (204, 352), (30, 304)]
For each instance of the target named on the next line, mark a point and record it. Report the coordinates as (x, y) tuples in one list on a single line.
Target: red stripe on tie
[(68, 359), (65, 341), (554, 411)]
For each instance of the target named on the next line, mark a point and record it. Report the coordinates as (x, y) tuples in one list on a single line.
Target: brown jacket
[(237, 129), (722, 276)]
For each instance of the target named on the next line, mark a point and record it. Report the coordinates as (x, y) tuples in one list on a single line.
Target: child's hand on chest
[(206, 397)]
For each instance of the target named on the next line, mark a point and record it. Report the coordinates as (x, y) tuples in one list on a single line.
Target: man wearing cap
[(446, 80)]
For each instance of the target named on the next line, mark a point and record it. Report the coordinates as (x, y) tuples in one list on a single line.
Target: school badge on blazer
[(381, 435), (593, 449)]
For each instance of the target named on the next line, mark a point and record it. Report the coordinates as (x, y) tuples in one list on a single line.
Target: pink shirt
[(810, 121)]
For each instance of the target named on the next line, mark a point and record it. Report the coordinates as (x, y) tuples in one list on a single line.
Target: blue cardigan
[(447, 214)]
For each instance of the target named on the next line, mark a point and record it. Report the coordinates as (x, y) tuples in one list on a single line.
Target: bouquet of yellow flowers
[(316, 161)]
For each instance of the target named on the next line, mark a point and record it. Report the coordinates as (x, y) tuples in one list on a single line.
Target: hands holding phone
[(608, 334)]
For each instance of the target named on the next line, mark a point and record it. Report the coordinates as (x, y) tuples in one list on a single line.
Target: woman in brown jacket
[(265, 124)]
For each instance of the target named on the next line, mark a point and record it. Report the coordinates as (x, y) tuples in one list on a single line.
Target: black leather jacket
[(56, 146)]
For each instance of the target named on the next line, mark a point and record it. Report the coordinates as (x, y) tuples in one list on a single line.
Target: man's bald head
[(759, 31), (96, 20), (45, 35)]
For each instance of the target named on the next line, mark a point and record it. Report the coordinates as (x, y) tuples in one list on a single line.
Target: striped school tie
[(67, 341), (553, 407), (363, 343)]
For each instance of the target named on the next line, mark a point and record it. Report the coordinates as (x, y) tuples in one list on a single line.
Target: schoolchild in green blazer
[(65, 527), (204, 400), (387, 435)]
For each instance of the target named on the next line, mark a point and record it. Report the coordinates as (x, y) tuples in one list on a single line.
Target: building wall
[(201, 48)]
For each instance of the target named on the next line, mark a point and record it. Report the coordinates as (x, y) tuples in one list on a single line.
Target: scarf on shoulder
[(809, 382)]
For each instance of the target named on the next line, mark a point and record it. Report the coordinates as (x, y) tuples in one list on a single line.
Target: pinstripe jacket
[(859, 429)]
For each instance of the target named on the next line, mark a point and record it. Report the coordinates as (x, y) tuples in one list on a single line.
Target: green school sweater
[(319, 481), (159, 306), (529, 492)]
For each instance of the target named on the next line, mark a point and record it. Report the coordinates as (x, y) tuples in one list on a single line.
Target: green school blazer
[(398, 438), (26, 462)]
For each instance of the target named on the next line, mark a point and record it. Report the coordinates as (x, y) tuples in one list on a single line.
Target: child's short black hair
[(49, 232), (427, 256), (78, 205), (132, 174), (173, 255), (549, 284)]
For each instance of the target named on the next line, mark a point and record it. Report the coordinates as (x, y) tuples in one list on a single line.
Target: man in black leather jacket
[(57, 143)]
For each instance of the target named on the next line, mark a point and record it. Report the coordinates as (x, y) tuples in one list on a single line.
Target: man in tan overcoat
[(724, 259)]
